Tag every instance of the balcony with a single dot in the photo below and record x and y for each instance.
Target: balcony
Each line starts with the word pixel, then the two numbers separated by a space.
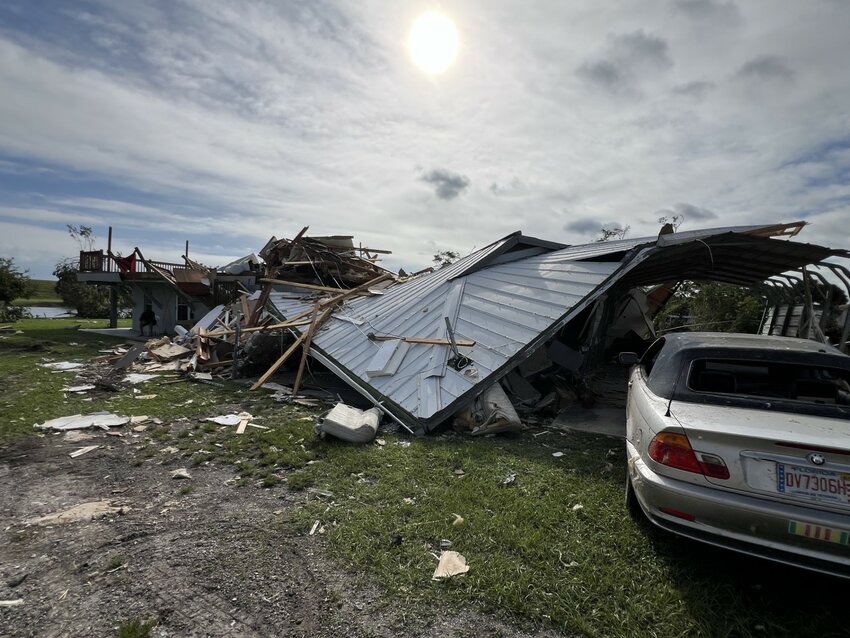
pixel 99 266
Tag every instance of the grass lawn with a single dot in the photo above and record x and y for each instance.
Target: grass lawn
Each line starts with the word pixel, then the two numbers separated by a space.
pixel 43 294
pixel 553 547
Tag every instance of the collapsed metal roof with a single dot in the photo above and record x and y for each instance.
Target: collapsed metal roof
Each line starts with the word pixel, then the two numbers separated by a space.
pixel 509 298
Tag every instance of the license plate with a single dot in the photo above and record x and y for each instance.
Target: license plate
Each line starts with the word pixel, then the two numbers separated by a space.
pixel 813 483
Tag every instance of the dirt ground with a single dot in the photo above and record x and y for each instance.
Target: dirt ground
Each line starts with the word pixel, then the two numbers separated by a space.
pixel 216 560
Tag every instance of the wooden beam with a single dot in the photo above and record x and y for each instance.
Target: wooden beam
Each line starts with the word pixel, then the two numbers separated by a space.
pixel 274 326
pixel 246 313
pixel 300 235
pixel 279 362
pixel 306 348
pixel 298 284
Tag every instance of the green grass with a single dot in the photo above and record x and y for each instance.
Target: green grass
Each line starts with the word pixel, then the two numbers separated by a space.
pixel 43 294
pixel 535 557
pixel 135 629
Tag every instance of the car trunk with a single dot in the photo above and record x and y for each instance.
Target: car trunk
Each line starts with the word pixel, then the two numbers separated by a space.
pixel 795 458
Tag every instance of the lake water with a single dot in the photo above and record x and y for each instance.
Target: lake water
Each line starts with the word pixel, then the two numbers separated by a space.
pixel 50 312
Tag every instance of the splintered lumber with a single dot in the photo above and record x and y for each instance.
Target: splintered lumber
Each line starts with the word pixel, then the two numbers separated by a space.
pixel 246 313
pixel 329 305
pixel 261 304
pixel 279 362
pixel 274 326
pixel 298 284
pixel 467 343
pixel 307 341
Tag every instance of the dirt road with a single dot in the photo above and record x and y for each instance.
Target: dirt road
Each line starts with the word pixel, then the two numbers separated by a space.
pixel 202 557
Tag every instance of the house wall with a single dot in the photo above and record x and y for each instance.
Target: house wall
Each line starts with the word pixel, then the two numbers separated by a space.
pixel 164 300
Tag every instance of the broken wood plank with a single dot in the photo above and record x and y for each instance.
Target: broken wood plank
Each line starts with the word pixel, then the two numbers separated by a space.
pixel 279 362
pixel 246 313
pixel 243 423
pixel 274 326
pixel 83 450
pixel 307 341
pixel 298 284
pixel 467 343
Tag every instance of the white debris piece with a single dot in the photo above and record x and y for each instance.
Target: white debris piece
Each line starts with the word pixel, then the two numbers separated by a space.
pixel 451 564
pixel 230 419
pixel 349 424
pixel 104 420
pixel 62 365
pixel 83 450
pixel 78 388
pixel 181 473
pixel 557 455
pixel 138 377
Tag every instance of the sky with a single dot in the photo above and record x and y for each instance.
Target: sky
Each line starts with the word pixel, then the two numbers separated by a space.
pixel 227 122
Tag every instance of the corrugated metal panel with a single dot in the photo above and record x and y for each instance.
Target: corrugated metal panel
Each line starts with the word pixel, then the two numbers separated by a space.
pixel 502 308
pixel 507 308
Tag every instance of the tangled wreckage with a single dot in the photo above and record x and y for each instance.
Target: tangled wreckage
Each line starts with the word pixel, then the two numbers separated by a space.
pixel 514 326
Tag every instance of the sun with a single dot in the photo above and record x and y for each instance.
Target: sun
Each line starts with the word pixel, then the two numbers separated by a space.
pixel 433 42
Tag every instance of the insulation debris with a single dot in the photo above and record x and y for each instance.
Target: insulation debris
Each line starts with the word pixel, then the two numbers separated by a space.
pixel 349 424
pixel 103 420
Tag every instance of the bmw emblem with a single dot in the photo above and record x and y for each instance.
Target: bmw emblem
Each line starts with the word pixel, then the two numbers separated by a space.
pixel 817 459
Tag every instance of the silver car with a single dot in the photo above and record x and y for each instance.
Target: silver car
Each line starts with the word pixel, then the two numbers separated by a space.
pixel 743 441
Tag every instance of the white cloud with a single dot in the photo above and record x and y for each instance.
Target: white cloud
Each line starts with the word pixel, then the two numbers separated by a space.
pixel 248 119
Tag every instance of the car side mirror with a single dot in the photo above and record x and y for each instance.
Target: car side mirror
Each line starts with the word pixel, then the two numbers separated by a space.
pixel 627 358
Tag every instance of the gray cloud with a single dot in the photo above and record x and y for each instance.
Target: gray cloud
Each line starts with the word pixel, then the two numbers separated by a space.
pixel 698 89
pixel 627 58
pixel 447 184
pixel 709 10
pixel 604 74
pixel 639 50
pixel 688 211
pixel 766 68
pixel 590 226
pixel 514 187
pixel 583 226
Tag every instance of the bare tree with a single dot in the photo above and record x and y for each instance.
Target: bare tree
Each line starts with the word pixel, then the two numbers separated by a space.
pixel 613 232
pixel 83 235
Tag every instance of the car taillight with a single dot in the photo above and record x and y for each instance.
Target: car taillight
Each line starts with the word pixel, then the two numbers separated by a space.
pixel 674 450
pixel 712 465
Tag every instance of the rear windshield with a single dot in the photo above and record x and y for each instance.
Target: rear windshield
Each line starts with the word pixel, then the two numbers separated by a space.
pixel 797 382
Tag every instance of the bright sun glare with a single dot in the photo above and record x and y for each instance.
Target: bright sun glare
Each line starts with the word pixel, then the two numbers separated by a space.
pixel 433 42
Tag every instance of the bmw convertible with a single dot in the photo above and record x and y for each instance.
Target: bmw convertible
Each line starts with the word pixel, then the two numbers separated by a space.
pixel 743 441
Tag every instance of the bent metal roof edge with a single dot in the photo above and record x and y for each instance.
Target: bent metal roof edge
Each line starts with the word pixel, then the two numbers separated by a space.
pixel 508 308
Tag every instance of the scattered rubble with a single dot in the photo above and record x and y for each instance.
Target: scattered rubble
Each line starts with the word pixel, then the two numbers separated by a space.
pixel 103 420
pixel 82 512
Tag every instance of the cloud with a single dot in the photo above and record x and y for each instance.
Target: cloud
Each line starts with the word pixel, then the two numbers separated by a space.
pixel 584 226
pixel 698 89
pixel 447 184
pixel 515 187
pixel 687 211
pixel 719 13
pixel 766 68
pixel 628 58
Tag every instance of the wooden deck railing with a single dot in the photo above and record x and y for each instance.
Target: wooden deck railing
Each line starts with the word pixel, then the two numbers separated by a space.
pixel 98 261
